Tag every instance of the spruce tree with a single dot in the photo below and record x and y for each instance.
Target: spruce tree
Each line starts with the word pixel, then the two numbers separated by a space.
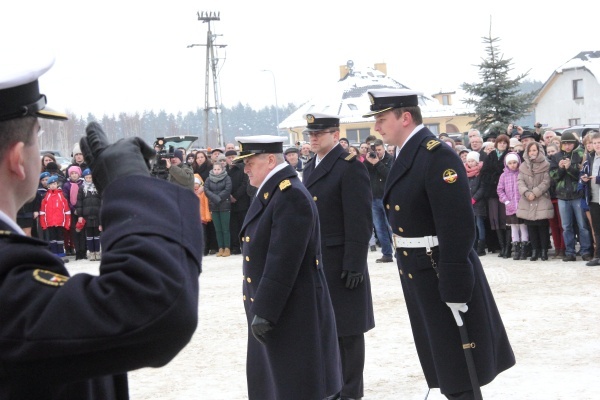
pixel 497 98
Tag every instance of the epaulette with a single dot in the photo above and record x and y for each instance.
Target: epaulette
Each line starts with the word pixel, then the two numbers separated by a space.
pixel 285 184
pixel 5 233
pixel 349 157
pixel 432 144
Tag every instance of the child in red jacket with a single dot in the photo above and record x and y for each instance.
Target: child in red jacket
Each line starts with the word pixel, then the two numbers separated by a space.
pixel 55 216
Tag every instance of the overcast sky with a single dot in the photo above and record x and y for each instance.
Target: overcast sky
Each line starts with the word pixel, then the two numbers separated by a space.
pixel 132 56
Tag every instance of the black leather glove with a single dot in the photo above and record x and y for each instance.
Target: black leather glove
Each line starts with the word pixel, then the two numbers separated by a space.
pixel 108 161
pixel 353 279
pixel 260 327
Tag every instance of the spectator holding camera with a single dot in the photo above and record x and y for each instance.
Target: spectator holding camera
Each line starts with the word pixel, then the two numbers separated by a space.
pixel 564 171
pixel 379 163
pixel 179 172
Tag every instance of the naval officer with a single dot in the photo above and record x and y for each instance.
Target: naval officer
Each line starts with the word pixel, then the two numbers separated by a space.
pixel 428 203
pixel 76 337
pixel 339 185
pixel 292 341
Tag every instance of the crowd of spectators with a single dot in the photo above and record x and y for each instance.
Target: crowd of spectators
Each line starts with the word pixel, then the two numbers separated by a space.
pixel 531 191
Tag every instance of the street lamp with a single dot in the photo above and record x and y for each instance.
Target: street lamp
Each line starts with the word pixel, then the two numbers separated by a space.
pixel 276 105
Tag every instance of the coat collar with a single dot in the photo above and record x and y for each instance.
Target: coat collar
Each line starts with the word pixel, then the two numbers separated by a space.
pixel 405 159
pixel 266 193
pixel 324 166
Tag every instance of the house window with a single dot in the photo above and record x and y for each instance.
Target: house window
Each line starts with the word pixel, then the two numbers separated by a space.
pixel 434 128
pixel 357 135
pixel 446 100
pixel 578 89
pixel 574 121
pixel 352 107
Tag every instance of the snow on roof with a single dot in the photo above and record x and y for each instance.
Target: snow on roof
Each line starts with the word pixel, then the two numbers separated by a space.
pixel 348 98
pixel 586 59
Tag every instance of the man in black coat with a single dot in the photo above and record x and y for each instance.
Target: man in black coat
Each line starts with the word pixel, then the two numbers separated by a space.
pixel 239 199
pixel 292 346
pixel 76 337
pixel 339 184
pixel 428 204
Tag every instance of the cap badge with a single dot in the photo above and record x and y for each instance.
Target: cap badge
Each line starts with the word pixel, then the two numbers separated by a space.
pixel 450 176
pixel 310 119
pixel 371 98
pixel 266 195
pixel 49 278
pixel 241 147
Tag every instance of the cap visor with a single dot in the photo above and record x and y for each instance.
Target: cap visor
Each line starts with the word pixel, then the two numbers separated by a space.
pixel 49 113
pixel 241 158
pixel 372 113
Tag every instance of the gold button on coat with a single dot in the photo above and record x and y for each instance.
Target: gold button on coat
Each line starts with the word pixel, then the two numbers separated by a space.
pixel 410 276
pixel 315 198
pixel 401 273
pixel 251 299
pixel 401 230
pixel 397 208
pixel 387 206
pixel 248 280
pixel 405 253
pixel 247 238
pixel 247 258
pixel 244 297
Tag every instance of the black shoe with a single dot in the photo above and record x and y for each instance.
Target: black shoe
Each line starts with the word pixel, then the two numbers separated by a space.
pixel 544 255
pixel 569 257
pixel 534 255
pixel 236 252
pixel 593 262
pixel 586 257
pixel 373 248
pixel 385 259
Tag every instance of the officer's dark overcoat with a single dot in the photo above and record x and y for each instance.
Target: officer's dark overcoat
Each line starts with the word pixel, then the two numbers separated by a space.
pixel 340 188
pixel 75 337
pixel 427 193
pixel 285 284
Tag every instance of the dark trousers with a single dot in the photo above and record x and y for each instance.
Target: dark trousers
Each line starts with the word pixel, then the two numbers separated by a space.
pixel 539 235
pixel 56 237
pixel 235 225
pixel 469 395
pixel 352 353
pixel 595 213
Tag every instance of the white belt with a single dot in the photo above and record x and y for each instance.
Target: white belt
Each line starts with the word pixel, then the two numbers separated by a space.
pixel 426 242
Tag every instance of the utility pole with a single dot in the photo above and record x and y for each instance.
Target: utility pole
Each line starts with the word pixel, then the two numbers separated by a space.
pixel 211 67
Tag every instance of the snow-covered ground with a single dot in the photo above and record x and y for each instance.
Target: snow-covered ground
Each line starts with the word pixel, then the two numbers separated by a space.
pixel 551 311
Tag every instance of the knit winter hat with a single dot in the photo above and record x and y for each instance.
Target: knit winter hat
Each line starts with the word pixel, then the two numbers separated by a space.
pixel 76 149
pixel 52 179
pixel 179 154
pixel 512 157
pixel 473 155
pixel 74 168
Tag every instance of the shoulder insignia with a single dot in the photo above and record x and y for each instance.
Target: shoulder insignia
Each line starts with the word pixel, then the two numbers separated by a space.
pixel 5 233
pixel 266 195
pixel 350 157
pixel 49 278
pixel 450 176
pixel 432 144
pixel 285 184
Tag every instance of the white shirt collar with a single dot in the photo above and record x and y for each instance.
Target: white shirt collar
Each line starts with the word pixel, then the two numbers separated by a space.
pixel 11 223
pixel 413 133
pixel 273 172
pixel 318 160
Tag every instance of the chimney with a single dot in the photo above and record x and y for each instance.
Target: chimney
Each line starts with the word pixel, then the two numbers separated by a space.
pixel 343 71
pixel 381 67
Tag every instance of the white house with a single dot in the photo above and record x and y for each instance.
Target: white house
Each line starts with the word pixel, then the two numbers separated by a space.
pixel 571 96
